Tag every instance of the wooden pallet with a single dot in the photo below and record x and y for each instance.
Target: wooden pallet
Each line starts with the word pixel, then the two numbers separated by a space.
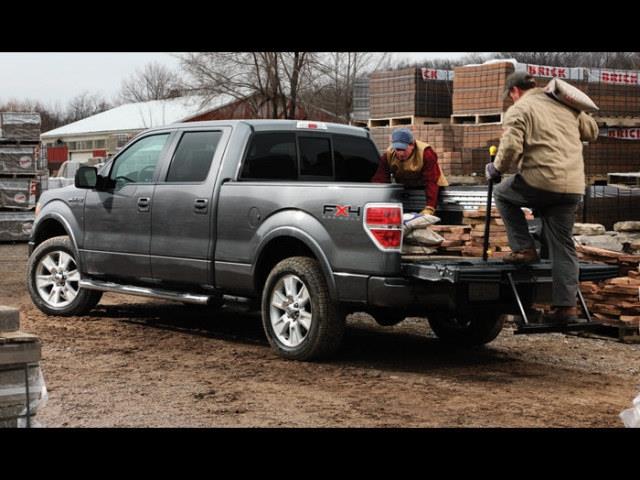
pixel 617 121
pixel 477 118
pixel 405 120
pixel 627 179
pixel 622 333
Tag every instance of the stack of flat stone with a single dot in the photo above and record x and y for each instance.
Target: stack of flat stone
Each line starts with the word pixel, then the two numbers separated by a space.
pixel 20 354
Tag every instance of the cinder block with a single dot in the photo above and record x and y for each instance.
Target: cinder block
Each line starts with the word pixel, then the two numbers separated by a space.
pixel 20 352
pixel 9 319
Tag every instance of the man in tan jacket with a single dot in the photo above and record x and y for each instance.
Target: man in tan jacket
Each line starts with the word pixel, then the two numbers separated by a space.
pixel 543 138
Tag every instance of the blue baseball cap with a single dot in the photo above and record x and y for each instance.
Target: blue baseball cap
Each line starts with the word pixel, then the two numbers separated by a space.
pixel 401 138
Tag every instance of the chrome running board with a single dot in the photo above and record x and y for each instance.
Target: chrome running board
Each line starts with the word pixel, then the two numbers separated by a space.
pixel 144 291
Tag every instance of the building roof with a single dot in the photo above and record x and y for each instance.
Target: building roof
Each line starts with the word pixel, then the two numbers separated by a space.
pixel 140 116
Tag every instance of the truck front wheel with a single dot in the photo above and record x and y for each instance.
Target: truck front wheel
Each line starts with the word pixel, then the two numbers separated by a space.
pixel 53 279
pixel 468 329
pixel 299 318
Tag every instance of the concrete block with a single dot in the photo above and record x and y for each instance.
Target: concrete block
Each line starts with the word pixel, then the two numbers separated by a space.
pixel 20 352
pixel 9 319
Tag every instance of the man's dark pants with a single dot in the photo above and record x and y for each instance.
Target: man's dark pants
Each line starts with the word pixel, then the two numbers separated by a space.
pixel 557 211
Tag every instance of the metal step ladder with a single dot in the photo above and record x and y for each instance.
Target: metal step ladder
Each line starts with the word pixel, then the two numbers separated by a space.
pixel 525 325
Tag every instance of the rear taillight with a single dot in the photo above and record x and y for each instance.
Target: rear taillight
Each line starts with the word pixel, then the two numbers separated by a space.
pixel 383 224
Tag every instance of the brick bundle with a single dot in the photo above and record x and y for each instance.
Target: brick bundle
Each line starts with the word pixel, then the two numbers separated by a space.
pixel 403 92
pixel 23 172
pixel 479 88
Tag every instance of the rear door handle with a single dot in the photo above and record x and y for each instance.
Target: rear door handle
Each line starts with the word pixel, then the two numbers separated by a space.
pixel 200 205
pixel 143 204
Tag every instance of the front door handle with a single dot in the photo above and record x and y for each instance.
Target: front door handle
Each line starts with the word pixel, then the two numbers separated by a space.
pixel 143 204
pixel 200 205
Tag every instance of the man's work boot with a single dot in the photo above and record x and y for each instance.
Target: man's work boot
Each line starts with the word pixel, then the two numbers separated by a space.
pixel 562 315
pixel 522 257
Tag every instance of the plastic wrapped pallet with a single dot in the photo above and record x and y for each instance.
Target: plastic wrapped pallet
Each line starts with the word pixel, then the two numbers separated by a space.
pixel 21 159
pixel 18 193
pixel 20 126
pixel 16 226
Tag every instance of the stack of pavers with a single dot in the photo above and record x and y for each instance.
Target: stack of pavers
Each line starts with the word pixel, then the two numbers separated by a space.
pixel 23 173
pixel 22 389
pixel 455 238
pixel 360 115
pixel 615 302
pixel 407 93
pixel 498 242
pixel 479 106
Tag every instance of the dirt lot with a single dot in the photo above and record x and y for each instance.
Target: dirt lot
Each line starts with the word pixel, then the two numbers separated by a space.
pixel 145 363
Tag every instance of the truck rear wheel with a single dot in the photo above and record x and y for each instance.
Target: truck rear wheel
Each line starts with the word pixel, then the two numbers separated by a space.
pixel 53 279
pixel 299 318
pixel 468 329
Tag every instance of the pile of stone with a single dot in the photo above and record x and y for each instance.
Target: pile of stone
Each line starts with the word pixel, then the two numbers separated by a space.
pixel 22 388
pixel 621 246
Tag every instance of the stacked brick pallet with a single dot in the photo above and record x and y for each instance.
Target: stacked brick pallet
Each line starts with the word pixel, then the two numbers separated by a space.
pixel 361 101
pixel 23 173
pixel 410 92
pixel 477 89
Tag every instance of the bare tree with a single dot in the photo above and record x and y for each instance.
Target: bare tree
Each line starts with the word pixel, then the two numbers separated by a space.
pixel 153 82
pixel 269 82
pixel 84 105
pixel 334 77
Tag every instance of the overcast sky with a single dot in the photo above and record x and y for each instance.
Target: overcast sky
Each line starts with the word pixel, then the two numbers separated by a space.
pixel 58 77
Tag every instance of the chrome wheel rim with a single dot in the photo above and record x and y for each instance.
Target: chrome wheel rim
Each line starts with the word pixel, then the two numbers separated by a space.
pixel 290 311
pixel 57 279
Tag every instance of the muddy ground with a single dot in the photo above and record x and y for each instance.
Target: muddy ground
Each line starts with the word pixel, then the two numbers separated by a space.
pixel 135 362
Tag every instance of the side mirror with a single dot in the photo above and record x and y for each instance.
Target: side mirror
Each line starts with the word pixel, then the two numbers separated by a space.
pixel 86 177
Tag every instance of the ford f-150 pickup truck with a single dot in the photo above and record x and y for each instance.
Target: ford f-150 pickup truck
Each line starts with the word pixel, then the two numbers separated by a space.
pixel 279 211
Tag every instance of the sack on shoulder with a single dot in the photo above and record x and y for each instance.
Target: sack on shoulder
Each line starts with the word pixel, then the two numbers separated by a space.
pixel 569 95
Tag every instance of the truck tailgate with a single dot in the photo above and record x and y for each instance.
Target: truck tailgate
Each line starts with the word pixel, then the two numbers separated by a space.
pixel 474 269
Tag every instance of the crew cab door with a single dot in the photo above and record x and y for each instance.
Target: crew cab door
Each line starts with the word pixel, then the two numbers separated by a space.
pixel 182 227
pixel 117 221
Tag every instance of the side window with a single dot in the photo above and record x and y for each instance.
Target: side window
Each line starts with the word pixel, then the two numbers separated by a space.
pixel 138 163
pixel 356 158
pixel 192 159
pixel 272 156
pixel 315 157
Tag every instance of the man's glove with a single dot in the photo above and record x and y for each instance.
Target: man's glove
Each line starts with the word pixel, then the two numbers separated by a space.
pixel 492 173
pixel 428 210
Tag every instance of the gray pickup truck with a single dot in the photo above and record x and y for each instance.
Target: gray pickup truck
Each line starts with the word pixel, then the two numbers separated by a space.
pixel 278 212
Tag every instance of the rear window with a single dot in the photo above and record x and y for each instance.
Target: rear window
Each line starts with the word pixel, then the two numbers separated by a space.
pixel 338 158
pixel 356 158
pixel 315 157
pixel 272 156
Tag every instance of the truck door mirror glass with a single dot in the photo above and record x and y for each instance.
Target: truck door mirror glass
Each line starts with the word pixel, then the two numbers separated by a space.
pixel 86 177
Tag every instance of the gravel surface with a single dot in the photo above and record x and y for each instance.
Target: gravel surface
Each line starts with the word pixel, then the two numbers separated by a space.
pixel 135 362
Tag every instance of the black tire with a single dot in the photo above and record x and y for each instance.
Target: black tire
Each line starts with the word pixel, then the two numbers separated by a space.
pixel 387 317
pixel 468 330
pixel 323 318
pixel 84 299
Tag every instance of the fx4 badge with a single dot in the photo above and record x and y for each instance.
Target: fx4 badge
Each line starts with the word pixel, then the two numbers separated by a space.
pixel 336 211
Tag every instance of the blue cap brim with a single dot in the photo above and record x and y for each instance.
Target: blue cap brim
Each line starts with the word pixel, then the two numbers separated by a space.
pixel 399 146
